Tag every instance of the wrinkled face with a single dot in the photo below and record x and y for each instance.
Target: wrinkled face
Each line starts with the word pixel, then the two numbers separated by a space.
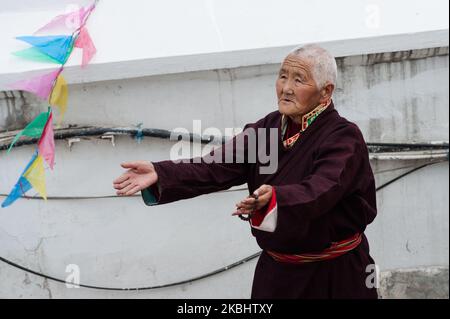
pixel 297 91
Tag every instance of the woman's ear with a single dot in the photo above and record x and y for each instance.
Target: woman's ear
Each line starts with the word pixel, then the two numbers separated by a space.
pixel 326 93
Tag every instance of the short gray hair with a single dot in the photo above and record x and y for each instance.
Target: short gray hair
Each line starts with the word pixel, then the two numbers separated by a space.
pixel 324 68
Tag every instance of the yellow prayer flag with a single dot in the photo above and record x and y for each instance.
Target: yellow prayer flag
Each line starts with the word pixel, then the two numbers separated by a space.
pixel 36 176
pixel 59 97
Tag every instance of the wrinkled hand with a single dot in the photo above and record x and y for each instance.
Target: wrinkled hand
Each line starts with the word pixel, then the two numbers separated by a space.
pixel 140 175
pixel 250 204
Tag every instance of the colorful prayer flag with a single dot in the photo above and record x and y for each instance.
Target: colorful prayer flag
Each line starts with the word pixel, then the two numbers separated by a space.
pixel 40 85
pixel 84 42
pixel 69 21
pixel 21 187
pixel 57 47
pixel 34 54
pixel 33 129
pixel 46 144
pixel 59 96
pixel 35 174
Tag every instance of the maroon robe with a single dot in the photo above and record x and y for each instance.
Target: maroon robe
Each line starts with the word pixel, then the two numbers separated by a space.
pixel 325 192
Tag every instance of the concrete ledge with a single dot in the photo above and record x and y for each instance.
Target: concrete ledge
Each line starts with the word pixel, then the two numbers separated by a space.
pixel 231 59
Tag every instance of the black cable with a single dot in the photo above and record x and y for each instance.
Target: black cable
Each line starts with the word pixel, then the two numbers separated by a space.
pixel 217 271
pixel 404 174
pixel 394 147
pixel 166 134
pixel 98 131
pixel 212 273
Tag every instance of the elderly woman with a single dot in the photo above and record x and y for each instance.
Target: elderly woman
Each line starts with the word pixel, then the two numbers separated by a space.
pixel 309 216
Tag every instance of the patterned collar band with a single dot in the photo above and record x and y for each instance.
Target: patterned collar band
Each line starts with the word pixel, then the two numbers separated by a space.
pixel 306 121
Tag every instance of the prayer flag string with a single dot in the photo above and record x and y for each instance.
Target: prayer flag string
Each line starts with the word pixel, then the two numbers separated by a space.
pixel 50 87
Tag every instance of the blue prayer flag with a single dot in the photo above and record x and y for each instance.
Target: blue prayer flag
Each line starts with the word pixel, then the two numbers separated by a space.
pixel 21 187
pixel 57 47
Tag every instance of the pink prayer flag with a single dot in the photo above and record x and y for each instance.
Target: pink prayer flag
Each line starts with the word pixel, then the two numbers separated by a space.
pixel 84 41
pixel 46 144
pixel 40 85
pixel 69 21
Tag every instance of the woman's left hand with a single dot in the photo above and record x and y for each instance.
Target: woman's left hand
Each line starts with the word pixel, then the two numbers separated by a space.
pixel 260 199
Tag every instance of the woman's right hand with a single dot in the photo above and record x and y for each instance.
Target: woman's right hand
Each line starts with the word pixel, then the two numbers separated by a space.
pixel 140 175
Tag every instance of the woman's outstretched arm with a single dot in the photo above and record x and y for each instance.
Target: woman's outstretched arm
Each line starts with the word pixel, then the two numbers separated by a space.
pixel 169 181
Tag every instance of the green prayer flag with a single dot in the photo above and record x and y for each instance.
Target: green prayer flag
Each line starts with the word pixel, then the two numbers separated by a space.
pixel 34 54
pixel 33 129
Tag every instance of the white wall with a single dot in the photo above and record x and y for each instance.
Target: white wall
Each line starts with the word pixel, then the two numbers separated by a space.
pixel 121 242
